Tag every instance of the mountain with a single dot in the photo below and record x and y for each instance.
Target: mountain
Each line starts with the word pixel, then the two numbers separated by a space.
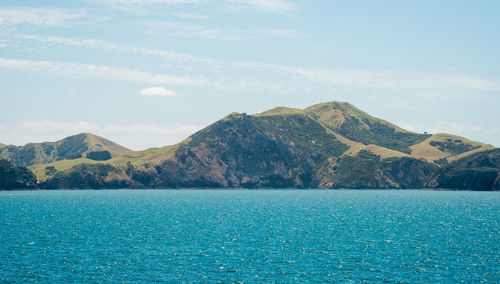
pixel 82 145
pixel 329 145
pixel 12 177
pixel 352 123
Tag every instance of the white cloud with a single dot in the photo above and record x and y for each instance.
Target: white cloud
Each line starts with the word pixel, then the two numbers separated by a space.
pixel 38 16
pixel 268 6
pixel 134 136
pixel 157 91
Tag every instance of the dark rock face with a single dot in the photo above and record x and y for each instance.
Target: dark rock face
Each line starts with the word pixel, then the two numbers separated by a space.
pixel 470 180
pixel 238 153
pixel 12 177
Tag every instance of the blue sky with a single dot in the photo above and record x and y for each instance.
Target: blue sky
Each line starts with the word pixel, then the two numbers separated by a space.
pixel 151 72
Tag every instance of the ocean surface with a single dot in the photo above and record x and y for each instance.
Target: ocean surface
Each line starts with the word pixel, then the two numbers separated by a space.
pixel 284 236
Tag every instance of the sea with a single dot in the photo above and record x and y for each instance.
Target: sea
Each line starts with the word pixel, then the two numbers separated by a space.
pixel 249 236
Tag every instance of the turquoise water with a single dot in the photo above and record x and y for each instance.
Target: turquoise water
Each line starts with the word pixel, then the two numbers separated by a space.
pixel 249 236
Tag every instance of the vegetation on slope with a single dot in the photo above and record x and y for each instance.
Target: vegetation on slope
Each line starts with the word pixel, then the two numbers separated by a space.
pixel 479 171
pixel 12 177
pixel 90 176
pixel 367 170
pixel 359 126
pixel 280 148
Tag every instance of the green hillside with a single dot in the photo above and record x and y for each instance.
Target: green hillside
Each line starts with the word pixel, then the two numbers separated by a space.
pixel 331 145
pixel 83 145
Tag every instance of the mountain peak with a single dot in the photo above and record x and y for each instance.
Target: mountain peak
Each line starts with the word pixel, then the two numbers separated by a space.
pixel 280 111
pixel 357 125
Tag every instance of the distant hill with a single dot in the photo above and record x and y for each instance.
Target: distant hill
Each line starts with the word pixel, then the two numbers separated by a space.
pixel 329 145
pixel 84 145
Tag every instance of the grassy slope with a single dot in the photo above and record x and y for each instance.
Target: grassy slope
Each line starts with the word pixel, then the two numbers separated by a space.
pixel 62 165
pixel 151 156
pixel 380 140
pixel 354 147
pixel 431 153
pixel 280 111
pixel 359 126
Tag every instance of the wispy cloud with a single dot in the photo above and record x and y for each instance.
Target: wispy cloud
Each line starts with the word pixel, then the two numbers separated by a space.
pixel 185 15
pixel 106 45
pixel 268 6
pixel 104 72
pixel 99 72
pixel 39 16
pixel 170 2
pixel 263 6
pixel 157 91
pixel 189 30
pixel 282 33
pixel 136 136
pixel 419 82
pixel 397 79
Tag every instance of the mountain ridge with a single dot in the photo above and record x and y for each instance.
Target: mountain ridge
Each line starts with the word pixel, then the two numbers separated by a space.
pixel 328 145
pixel 83 145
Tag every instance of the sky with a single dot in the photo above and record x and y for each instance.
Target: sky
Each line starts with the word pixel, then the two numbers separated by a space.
pixel 149 73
